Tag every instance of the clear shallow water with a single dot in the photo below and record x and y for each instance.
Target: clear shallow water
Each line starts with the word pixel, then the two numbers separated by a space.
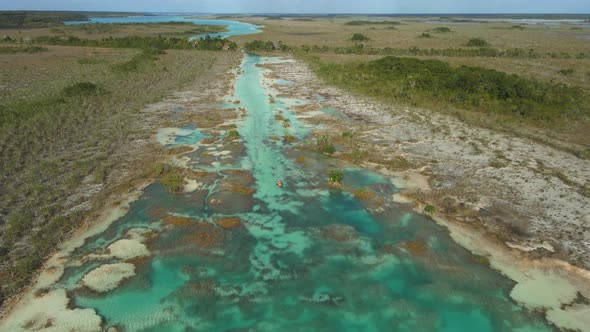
pixel 188 135
pixel 308 257
pixel 234 28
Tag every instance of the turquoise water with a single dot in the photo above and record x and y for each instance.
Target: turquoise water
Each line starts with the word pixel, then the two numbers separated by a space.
pixel 307 257
pixel 188 135
pixel 234 28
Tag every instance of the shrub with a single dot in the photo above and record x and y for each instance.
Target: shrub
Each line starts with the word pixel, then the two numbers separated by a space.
pixel 441 30
pixel 425 35
pixel 259 45
pixel 82 89
pixel 429 209
pixel 477 42
pixel 424 81
pixel 336 176
pixel 567 72
pixel 329 149
pixel 359 37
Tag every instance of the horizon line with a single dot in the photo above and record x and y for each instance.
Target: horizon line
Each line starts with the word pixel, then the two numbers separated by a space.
pixel 287 13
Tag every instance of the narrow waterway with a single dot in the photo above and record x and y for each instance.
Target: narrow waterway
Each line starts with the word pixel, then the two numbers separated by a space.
pixel 304 257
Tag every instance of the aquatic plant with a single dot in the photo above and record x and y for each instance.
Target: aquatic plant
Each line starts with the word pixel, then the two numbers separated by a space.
pixel 335 176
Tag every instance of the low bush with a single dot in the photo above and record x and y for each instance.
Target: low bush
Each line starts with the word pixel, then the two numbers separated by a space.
pixel 477 42
pixel 422 82
pixel 359 37
pixel 83 89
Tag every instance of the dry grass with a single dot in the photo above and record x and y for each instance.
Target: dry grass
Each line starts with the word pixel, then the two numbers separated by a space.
pixel 97 31
pixel 334 32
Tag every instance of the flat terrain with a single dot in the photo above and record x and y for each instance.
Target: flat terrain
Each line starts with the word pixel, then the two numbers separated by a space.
pixel 72 134
pixel 99 31
pixel 335 32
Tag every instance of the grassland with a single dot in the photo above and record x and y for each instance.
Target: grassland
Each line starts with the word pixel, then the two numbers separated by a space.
pixel 556 47
pixel 100 31
pixel 547 56
pixel 72 131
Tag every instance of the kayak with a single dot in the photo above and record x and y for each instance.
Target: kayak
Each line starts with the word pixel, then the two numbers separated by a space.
pixel 279 183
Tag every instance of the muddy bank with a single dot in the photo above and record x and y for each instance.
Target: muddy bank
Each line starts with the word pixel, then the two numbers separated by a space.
pixel 518 204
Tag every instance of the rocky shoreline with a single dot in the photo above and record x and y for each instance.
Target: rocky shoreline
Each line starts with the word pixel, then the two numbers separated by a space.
pixel 514 202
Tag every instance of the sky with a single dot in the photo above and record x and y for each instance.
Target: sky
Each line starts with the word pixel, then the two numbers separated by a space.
pixel 308 6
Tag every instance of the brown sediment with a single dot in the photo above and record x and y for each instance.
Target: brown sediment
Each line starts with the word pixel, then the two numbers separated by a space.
pixel 203 235
pixel 339 233
pixel 179 221
pixel 494 209
pixel 416 247
pixel 141 262
pixel 364 194
pixel 210 140
pixel 179 150
pixel 229 222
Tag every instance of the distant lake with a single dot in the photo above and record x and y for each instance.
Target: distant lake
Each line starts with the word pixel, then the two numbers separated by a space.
pixel 234 28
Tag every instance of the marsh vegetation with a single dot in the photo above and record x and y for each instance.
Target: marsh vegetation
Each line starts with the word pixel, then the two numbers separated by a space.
pixel 65 126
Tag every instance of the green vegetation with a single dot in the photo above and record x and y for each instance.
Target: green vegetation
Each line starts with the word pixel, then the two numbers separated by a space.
pixel 21 49
pixel 161 43
pixel 259 45
pixel 477 42
pixel 28 19
pixel 64 129
pixel 233 134
pixel 150 28
pixel 324 145
pixel 359 37
pixel 429 209
pixel 170 177
pixel 441 30
pixel 426 82
pixel 83 89
pixel 90 61
pixel 335 176
pixel 360 23
pixel 567 72
pixel 425 35
pixel 360 49
pixel 483 260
